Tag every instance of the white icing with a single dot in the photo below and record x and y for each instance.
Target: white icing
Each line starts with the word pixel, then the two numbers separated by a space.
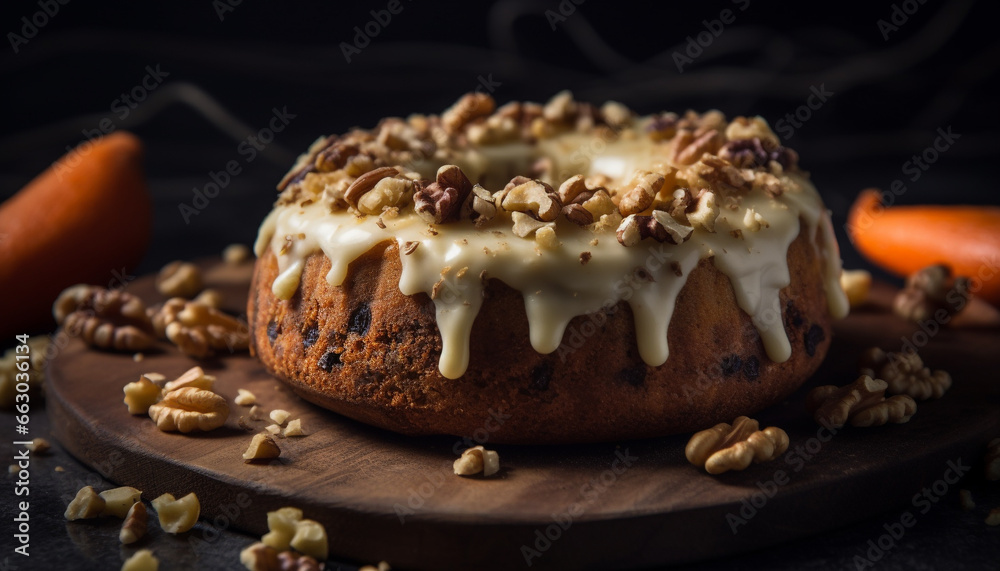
pixel 555 285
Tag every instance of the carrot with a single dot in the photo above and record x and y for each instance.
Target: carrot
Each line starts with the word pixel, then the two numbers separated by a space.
pixel 905 239
pixel 86 219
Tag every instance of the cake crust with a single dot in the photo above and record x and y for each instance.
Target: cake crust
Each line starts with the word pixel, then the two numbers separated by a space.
pixel 365 350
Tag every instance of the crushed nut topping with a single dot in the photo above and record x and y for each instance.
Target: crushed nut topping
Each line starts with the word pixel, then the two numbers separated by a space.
pixel 862 403
pixel 932 293
pixel 905 373
pixel 441 200
pixel 534 198
pixel 727 447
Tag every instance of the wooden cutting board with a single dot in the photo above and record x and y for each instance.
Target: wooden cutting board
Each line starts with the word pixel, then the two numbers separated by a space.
pixel 383 496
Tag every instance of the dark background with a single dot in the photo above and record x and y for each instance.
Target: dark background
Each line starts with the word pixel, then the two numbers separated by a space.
pixel 226 75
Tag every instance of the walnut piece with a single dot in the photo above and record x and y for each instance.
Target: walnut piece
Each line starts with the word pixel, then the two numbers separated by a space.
pixel 279 415
pixel 260 557
pixel 134 526
pixel 189 409
pixel 103 318
pixel 39 445
pixel 117 501
pixel 932 293
pixel 645 185
pixel 262 447
pixel 142 560
pixel 245 398
pixel 236 254
pixel 468 108
pixel 905 373
pixel 533 197
pixel 705 212
pixel 365 183
pixel 179 279
pixel 525 225
pixel 310 539
pixel 992 460
pixel 198 330
pixel 691 146
pixel 86 505
pixel 294 428
pixel 727 447
pixel 862 403
pixel 475 460
pixel 482 205
pixel 281 525
pixel 441 201
pixel 856 284
pixel 177 515
pixel 193 377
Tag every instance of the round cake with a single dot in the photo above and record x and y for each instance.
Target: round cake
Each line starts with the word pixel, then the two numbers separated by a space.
pixel 546 273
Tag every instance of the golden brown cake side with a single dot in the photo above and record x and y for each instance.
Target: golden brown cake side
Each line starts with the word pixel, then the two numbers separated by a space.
pixel 365 350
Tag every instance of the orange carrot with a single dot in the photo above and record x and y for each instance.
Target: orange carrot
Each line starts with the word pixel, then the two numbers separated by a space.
pixel 904 239
pixel 86 219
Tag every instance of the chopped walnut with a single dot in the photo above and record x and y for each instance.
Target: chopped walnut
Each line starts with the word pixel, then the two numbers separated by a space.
pixel 236 254
pixel 754 221
pixel 932 293
pixel 571 188
pixel 534 198
pixel 689 148
pixel 750 128
pixel 645 185
pixel 262 447
pixel 675 231
pixel 706 211
pixel 39 445
pixel 756 153
pixel 260 557
pixel 525 225
pixel 862 403
pixel 616 114
pixel 727 447
pixel 134 526
pixel 279 415
pixel 475 460
pixel 600 204
pixel 103 318
pixel 245 398
pixel 856 284
pixel 482 205
pixel 198 330
pixel 441 201
pixel 365 183
pixel 86 505
pixel 992 460
pixel 578 214
pixel 281 525
pixel 905 373
pixel 118 501
pixel 141 395
pixel 142 560
pixel 294 428
pixel 469 107
pixel 179 279
pixel 310 539
pixel 561 108
pixel 189 409
pixel 177 515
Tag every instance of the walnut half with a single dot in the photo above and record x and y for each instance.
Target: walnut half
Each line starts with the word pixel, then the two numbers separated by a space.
pixel 189 409
pixel 862 403
pixel 727 447
pixel 199 330
pixel 104 318
pixel 905 373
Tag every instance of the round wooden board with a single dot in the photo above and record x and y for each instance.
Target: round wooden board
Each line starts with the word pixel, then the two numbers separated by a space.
pixel 383 496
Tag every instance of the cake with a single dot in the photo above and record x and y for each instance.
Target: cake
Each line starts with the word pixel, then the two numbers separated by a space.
pixel 546 273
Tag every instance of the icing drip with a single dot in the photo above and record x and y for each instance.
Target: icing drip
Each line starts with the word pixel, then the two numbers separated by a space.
pixel 556 286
